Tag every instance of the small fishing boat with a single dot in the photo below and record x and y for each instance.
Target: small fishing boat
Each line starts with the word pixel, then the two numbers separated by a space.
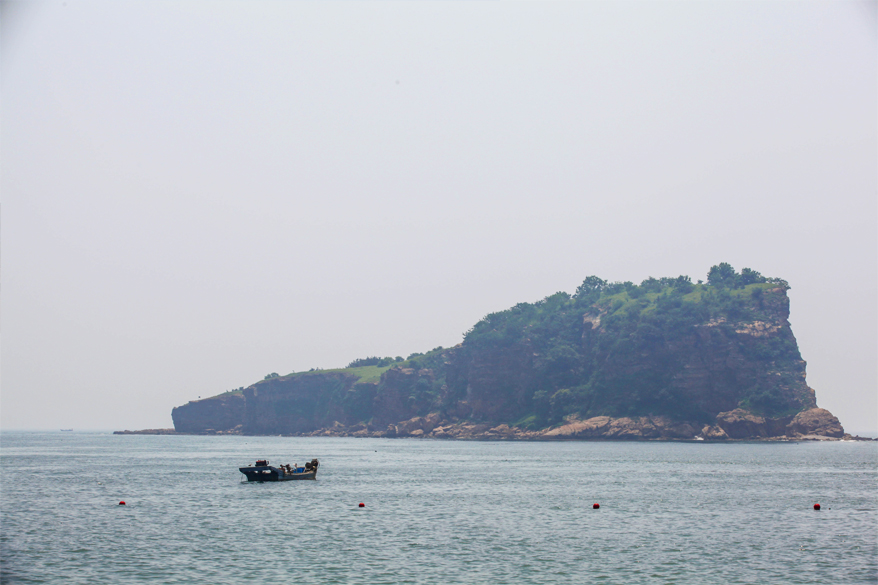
pixel 262 471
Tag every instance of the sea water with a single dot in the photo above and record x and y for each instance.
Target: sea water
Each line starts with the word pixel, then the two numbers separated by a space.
pixel 435 511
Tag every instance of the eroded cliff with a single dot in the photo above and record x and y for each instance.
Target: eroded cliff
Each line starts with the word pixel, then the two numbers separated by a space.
pixel 667 359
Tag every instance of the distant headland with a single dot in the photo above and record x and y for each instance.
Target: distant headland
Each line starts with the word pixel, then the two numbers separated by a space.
pixel 668 359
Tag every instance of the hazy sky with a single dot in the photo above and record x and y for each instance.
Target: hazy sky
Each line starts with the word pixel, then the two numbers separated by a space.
pixel 195 194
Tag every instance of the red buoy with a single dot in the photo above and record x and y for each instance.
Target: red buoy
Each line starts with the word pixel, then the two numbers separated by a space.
pixel 816 506
pixel 362 505
pixel 595 506
pixel 122 503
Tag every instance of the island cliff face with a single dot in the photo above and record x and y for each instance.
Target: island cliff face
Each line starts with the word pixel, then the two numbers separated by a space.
pixel 666 359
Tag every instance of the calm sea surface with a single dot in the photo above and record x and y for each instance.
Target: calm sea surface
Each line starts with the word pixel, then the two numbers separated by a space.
pixel 436 511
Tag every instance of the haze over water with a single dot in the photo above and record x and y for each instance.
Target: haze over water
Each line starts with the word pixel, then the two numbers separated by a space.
pixel 436 511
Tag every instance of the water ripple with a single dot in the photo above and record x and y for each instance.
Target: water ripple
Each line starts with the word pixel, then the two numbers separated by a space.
pixel 436 512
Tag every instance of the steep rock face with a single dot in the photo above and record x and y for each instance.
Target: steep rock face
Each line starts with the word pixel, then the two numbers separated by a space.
pixel 296 404
pixel 220 413
pixel 402 393
pixel 692 372
pixel 304 403
pixel 721 365
pixel 729 362
pixel 490 383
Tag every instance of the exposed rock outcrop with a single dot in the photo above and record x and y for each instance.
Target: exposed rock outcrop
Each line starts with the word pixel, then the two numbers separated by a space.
pixel 740 424
pixel 815 421
pixel 713 433
pixel 220 413
pixel 625 428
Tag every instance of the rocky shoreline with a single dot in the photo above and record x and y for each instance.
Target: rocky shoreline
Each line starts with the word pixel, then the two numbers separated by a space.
pixel 152 432
pixel 816 424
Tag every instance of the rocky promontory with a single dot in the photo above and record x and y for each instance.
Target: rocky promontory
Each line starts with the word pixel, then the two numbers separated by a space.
pixel 664 360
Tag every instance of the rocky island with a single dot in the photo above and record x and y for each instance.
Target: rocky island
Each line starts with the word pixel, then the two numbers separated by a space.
pixel 667 359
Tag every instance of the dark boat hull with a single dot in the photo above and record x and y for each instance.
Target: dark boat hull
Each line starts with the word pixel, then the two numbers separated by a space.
pixel 271 473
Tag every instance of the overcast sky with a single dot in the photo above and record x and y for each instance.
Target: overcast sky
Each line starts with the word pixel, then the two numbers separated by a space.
pixel 196 194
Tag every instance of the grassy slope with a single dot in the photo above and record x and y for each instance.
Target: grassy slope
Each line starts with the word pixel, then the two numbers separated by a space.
pixel 365 374
pixel 645 303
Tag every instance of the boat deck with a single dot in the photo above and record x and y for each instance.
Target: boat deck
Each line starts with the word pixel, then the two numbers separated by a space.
pixel 262 473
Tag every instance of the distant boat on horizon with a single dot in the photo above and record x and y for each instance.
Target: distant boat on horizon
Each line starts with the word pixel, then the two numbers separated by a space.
pixel 66 430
